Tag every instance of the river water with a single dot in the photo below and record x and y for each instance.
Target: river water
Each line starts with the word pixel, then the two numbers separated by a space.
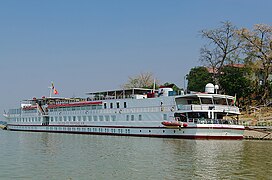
pixel 26 155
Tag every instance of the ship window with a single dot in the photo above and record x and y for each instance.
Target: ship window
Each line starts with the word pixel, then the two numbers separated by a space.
pixel 206 100
pixel 101 118
pixel 118 105
pixel 74 118
pixel 132 117
pixel 164 116
pixel 69 118
pixel 60 118
pixel 113 118
pixel 65 118
pixel 52 119
pixel 105 105
pixel 84 118
pixel 90 118
pixel 127 117
pixel 94 107
pixel 88 108
pixel 111 105
pixel 125 104
pixel 56 119
pixel 79 118
pixel 95 118
pixel 99 107
pixel 107 118
pixel 140 117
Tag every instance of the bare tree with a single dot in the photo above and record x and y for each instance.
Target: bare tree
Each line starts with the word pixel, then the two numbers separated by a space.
pixel 143 80
pixel 223 47
pixel 258 47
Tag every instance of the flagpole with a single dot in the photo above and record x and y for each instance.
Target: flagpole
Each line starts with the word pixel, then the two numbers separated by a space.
pixel 51 89
pixel 154 85
pixel 50 93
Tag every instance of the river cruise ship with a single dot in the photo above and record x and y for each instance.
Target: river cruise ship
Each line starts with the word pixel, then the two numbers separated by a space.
pixel 132 112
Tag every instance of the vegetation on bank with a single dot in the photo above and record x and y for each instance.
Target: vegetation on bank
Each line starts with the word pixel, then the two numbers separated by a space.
pixel 239 60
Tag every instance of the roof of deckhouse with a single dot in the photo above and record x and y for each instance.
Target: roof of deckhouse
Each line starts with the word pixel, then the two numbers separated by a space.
pixel 122 92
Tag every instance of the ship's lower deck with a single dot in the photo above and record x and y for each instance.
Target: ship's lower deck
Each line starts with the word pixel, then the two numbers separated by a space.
pixel 196 132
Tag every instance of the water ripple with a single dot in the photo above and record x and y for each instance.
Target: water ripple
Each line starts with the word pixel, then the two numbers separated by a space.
pixel 67 156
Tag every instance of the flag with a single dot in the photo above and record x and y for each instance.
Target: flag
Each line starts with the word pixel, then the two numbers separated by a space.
pixel 55 91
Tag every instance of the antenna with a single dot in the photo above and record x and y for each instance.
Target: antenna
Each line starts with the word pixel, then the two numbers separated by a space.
pixel 154 85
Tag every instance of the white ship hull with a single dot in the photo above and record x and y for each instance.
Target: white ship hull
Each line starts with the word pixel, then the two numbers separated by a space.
pixel 132 114
pixel 197 132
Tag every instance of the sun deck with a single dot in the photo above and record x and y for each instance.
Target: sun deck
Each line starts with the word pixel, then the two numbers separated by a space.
pixel 133 93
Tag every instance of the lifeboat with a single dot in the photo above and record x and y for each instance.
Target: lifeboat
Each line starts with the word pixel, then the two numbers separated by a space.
pixel 174 124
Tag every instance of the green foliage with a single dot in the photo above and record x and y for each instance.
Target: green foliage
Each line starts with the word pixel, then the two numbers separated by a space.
pixel 198 78
pixel 235 81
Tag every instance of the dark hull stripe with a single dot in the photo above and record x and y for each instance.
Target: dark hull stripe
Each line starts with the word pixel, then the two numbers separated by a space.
pixel 134 127
pixel 143 135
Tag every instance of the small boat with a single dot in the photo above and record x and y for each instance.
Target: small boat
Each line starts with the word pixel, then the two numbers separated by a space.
pixel 174 124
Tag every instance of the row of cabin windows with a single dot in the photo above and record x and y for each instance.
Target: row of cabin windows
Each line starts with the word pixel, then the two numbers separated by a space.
pixel 29 119
pixel 132 117
pixel 69 118
pixel 84 118
pixel 117 105
pixel 94 107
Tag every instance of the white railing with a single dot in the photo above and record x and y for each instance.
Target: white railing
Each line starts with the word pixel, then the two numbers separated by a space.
pixel 116 110
pixel 213 121
pixel 207 107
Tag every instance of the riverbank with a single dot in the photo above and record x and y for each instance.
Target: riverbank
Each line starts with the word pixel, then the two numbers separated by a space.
pixel 4 127
pixel 257 134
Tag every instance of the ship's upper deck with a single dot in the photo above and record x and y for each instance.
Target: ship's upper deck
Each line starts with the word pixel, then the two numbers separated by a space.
pixel 135 93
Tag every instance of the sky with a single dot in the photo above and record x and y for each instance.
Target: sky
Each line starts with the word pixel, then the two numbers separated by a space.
pixel 95 45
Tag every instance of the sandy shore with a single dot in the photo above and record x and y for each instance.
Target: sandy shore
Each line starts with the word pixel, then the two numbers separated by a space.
pixel 258 134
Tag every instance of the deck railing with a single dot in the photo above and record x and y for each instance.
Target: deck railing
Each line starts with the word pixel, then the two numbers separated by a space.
pixel 213 121
pixel 224 108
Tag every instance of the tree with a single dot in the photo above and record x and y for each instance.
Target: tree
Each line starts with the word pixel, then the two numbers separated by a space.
pixel 143 80
pixel 197 78
pixel 236 81
pixel 223 47
pixel 257 45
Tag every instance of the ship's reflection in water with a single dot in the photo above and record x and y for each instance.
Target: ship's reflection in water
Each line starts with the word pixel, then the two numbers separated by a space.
pixel 64 156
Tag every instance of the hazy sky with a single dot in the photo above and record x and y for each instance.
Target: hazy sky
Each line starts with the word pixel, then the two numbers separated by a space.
pixel 92 45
